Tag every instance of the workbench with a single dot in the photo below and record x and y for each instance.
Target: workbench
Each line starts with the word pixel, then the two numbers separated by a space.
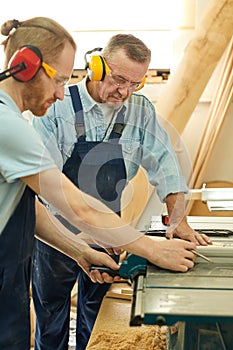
pixel 113 332
pixel 199 302
pixel 196 307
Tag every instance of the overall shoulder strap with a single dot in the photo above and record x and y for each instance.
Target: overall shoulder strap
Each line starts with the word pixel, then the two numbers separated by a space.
pixel 78 109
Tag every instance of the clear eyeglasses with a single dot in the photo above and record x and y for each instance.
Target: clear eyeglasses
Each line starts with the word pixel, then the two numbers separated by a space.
pixel 120 82
pixel 53 74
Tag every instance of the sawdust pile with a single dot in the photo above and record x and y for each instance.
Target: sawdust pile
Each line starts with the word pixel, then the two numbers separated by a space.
pixel 137 338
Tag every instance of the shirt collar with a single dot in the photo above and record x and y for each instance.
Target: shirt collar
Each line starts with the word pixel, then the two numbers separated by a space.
pixel 87 101
pixel 7 100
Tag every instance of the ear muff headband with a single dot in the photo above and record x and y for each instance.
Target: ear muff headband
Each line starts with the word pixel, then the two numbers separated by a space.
pixel 31 57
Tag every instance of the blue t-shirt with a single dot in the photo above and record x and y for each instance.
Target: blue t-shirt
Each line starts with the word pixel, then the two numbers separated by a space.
pixel 22 153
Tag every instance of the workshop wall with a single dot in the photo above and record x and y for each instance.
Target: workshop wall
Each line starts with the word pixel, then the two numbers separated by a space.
pixel 167 27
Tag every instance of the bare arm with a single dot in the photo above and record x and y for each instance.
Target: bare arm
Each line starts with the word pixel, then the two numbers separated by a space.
pixel 94 218
pixel 51 231
pixel 179 226
pixel 82 210
pixel 173 255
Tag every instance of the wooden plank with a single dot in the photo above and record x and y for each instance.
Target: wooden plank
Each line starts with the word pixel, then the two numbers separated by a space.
pixel 185 86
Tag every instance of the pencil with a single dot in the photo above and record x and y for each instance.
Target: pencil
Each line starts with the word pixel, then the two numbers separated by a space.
pixel 201 255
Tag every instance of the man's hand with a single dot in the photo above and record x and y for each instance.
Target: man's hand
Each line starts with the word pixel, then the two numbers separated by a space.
pixel 175 255
pixel 179 226
pixel 92 257
pixel 184 231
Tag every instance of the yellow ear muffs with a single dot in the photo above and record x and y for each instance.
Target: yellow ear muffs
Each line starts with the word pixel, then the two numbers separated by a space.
pixel 97 68
pixel 142 84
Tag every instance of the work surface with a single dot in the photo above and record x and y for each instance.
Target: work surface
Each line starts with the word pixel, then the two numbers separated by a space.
pixel 207 288
pixel 112 330
pixel 161 298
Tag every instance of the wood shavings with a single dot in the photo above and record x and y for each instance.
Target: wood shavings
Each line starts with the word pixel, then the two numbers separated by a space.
pixel 136 338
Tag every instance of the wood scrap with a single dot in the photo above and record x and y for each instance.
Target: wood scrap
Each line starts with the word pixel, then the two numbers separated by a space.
pixel 118 294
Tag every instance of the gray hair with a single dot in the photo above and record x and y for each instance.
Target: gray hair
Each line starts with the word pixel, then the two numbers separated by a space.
pixel 133 47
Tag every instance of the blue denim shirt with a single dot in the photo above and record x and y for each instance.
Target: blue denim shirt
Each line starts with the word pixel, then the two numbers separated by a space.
pixel 144 142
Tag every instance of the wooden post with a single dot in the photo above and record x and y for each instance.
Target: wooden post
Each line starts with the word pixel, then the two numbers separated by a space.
pixel 218 109
pixel 184 88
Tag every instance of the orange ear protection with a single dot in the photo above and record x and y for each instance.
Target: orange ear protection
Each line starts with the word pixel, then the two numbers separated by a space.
pixel 29 58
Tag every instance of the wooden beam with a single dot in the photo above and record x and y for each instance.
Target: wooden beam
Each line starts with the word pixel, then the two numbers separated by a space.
pixel 184 88
pixel 216 116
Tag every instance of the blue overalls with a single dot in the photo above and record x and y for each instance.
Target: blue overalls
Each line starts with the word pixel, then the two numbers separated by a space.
pixel 16 249
pixel 96 168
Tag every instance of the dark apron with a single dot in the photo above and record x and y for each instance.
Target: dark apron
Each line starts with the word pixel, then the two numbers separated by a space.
pixel 16 248
pixel 98 169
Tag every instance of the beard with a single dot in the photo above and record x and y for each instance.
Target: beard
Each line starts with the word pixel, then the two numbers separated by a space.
pixel 34 97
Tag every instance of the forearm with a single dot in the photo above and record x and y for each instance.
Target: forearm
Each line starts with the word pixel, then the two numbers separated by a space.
pixel 176 208
pixel 81 210
pixel 142 247
pixel 167 254
pixel 86 238
pixel 51 231
pixel 179 226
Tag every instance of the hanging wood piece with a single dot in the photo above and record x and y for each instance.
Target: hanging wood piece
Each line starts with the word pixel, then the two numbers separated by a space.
pixel 184 88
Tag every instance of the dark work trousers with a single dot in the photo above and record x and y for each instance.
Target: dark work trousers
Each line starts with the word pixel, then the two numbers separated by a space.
pixel 96 168
pixel 16 249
